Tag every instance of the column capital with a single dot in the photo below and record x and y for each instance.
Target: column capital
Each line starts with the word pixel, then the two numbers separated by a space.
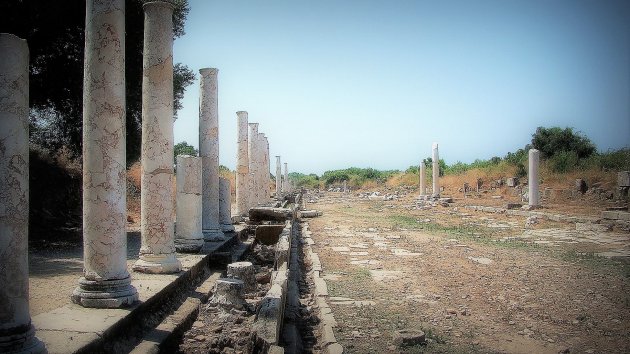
pixel 163 3
pixel 208 71
pixel 241 113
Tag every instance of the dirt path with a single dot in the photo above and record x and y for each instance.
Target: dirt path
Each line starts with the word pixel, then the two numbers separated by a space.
pixel 468 279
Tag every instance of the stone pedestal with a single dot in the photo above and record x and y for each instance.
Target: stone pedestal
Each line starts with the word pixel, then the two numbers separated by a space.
pixel 225 205
pixel 209 152
pixel 278 178
pixel 254 157
pixel 188 235
pixel 16 332
pixel 244 271
pixel 242 166
pixel 157 251
pixel 422 172
pixel 436 171
pixel 106 282
pixel 532 174
pixel 228 294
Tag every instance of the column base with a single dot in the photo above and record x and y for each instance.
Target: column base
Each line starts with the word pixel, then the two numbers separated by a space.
pixel 114 293
pixel 157 264
pixel 21 340
pixel 227 228
pixel 186 245
pixel 213 235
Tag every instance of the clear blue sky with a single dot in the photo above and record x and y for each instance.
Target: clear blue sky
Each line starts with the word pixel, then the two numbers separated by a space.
pixel 361 83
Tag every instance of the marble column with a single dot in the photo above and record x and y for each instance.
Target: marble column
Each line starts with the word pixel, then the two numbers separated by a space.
pixel 422 171
pixel 188 235
pixel 252 149
pixel 532 174
pixel 16 332
pixel 436 171
pixel 157 251
pixel 242 165
pixel 278 178
pixel 287 186
pixel 225 205
pixel 209 152
pixel 264 174
pixel 106 282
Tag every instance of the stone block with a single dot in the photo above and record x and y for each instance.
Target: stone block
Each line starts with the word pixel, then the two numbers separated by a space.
pixel 512 182
pixel 623 179
pixel 268 234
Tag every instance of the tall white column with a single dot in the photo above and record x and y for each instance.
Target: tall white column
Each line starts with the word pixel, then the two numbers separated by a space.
pixel 534 158
pixel 278 178
pixel 16 332
pixel 264 174
pixel 422 171
pixel 242 165
pixel 436 171
pixel 287 186
pixel 106 282
pixel 252 149
pixel 188 234
pixel 225 205
pixel 209 152
pixel 157 251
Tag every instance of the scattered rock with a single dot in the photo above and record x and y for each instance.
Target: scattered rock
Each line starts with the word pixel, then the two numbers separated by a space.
pixel 408 337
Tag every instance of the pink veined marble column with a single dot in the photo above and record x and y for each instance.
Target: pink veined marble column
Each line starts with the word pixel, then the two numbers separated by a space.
pixel 534 158
pixel 242 165
pixel 157 252
pixel 287 188
pixel 188 234
pixel 225 205
pixel 209 152
pixel 16 332
pixel 106 282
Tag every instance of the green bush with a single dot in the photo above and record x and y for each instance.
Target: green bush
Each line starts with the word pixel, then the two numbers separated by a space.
pixel 564 161
pixel 554 140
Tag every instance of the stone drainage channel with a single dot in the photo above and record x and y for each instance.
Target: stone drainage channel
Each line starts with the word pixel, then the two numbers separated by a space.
pixel 257 299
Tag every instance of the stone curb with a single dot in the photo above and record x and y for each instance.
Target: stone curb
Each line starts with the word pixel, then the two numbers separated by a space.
pixel 327 319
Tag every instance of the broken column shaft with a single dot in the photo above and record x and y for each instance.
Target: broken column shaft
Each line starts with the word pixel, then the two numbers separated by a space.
pixel 422 172
pixel 278 178
pixel 436 171
pixel 157 251
pixel 16 332
pixel 225 205
pixel 106 282
pixel 534 158
pixel 188 234
pixel 252 149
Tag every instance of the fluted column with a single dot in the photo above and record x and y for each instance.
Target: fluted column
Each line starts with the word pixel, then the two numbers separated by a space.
pixel 209 152
pixel 157 252
pixel 188 235
pixel 287 188
pixel 422 171
pixel 242 165
pixel 436 171
pixel 278 178
pixel 106 282
pixel 532 174
pixel 16 332
pixel 252 149
pixel 225 205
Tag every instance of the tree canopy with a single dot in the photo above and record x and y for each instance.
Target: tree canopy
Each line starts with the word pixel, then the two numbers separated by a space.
pixel 555 140
pixel 55 35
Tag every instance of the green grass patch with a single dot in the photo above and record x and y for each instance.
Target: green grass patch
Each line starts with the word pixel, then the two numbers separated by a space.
pixel 595 261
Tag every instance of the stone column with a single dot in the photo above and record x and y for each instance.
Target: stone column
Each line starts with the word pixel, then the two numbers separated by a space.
pixel 264 173
pixel 16 332
pixel 209 152
pixel 422 171
pixel 436 171
pixel 534 157
pixel 252 149
pixel 225 205
pixel 287 187
pixel 242 166
pixel 278 178
pixel 345 186
pixel 157 252
pixel 106 282
pixel 188 235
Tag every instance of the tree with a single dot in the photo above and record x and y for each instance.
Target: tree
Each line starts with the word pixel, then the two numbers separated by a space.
pixel 551 141
pixel 184 148
pixel 55 36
